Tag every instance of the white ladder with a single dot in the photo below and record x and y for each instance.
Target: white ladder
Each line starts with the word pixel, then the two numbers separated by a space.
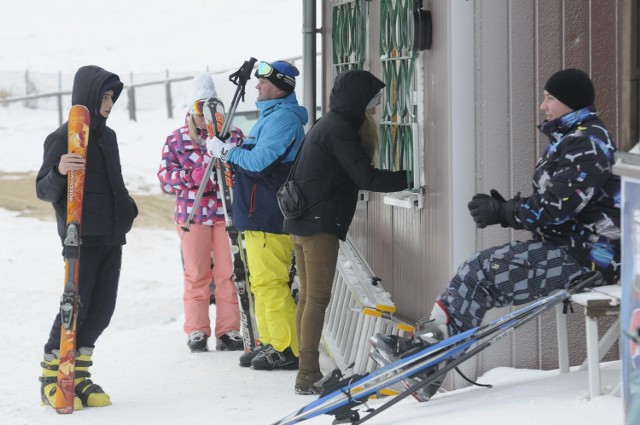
pixel 359 308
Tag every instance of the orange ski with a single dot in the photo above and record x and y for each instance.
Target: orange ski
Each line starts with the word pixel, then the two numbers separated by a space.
pixel 78 139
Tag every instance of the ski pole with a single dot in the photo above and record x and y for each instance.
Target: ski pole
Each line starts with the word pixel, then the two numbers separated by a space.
pixel 239 78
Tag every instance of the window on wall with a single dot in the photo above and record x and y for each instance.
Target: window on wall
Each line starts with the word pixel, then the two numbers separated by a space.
pixel 349 34
pixel 400 147
pixel 399 131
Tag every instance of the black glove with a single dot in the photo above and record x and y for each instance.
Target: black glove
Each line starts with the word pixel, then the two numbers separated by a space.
pixel 487 210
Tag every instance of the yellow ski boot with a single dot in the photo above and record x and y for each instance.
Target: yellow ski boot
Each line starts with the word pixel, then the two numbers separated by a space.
pixel 49 381
pixel 90 394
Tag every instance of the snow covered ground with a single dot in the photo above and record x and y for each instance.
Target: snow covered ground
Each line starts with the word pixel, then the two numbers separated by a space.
pixel 142 359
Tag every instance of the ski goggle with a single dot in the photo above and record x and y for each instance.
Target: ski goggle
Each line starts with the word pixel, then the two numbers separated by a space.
pixel 279 79
pixel 198 107
pixel 264 70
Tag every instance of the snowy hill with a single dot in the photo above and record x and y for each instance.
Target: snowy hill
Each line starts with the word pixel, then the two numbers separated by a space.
pixel 142 359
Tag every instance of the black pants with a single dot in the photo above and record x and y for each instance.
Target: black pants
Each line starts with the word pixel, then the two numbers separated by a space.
pixel 97 288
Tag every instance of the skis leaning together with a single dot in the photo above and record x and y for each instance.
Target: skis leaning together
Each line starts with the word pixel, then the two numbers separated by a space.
pixel 218 126
pixel 215 118
pixel 78 139
pixel 342 401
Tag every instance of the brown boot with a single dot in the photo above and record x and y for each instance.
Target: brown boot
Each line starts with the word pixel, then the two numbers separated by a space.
pixel 308 374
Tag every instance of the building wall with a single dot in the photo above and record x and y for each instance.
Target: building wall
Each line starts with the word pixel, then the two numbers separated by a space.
pixel 481 87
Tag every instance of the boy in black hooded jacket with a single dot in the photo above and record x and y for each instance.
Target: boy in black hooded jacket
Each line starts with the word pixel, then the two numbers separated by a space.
pixel 107 215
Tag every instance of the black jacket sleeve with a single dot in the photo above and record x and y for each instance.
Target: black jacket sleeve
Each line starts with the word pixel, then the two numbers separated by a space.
pixel 50 184
pixel 357 164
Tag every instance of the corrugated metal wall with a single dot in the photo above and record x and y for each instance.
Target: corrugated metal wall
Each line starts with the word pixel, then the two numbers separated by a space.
pixel 512 47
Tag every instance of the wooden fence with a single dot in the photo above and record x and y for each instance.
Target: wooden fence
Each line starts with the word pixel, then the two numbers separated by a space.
pixel 131 96
pixel 131 93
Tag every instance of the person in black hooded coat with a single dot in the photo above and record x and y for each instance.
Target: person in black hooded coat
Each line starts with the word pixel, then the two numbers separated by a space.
pixel 335 161
pixel 107 215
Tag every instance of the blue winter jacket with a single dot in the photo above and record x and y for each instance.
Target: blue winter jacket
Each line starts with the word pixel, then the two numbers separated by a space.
pixel 263 162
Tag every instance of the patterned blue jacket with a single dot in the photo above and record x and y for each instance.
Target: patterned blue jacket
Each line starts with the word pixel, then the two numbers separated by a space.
pixel 576 198
pixel 263 161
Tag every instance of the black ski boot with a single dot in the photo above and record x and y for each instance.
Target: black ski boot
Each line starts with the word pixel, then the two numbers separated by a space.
pixel 248 356
pixel 390 348
pixel 230 341
pixel 272 359
pixel 197 342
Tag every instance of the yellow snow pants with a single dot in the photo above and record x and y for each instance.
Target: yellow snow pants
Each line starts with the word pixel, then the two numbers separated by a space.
pixel 269 257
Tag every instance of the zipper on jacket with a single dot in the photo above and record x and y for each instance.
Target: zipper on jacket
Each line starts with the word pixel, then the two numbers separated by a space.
pixel 252 199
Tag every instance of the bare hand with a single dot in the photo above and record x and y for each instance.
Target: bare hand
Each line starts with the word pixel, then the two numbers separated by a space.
pixel 70 161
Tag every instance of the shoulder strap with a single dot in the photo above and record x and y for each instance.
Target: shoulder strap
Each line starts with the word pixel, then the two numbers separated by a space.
pixel 295 163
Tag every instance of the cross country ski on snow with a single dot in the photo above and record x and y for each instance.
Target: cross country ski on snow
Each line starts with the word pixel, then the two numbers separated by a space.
pixel 343 399
pixel 78 139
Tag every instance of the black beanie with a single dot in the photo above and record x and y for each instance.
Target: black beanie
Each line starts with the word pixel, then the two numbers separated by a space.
pixel 572 87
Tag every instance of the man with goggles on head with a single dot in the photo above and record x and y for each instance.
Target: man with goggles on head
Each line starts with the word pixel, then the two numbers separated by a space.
pixel 261 166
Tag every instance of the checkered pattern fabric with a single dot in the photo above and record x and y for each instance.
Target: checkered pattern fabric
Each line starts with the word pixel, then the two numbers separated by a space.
pixel 511 274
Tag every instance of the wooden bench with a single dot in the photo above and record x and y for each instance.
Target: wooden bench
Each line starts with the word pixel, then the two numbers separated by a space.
pixel 601 301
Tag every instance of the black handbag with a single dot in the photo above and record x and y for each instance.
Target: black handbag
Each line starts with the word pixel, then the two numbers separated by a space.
pixel 291 200
pixel 290 197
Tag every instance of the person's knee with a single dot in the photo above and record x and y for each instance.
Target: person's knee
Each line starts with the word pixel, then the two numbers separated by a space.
pixel 321 301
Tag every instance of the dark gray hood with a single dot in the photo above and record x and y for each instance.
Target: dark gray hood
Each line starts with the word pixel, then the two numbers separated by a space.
pixel 89 84
pixel 351 93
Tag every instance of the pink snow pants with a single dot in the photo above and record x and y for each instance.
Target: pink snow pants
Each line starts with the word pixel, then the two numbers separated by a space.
pixel 198 246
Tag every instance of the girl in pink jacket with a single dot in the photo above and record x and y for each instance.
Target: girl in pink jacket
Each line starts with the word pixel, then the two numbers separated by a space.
pixel 183 164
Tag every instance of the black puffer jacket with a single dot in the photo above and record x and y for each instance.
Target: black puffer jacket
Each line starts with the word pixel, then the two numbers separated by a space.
pixel 333 164
pixel 108 210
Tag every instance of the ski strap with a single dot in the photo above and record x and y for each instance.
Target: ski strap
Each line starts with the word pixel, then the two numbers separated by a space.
pixel 472 382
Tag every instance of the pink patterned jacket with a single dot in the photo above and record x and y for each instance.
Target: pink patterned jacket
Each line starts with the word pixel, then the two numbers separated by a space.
pixel 180 155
